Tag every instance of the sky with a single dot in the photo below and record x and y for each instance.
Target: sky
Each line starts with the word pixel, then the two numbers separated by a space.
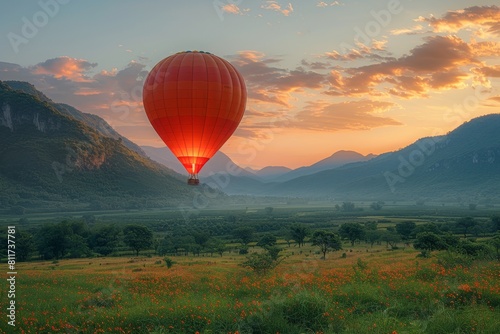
pixel 368 76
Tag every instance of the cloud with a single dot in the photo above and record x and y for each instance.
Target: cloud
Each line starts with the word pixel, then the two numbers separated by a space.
pixel 65 67
pixel 115 95
pixel 438 64
pixel 375 51
pixel 268 83
pixel 417 29
pixel 231 9
pixel 490 71
pixel 479 17
pixel 324 4
pixel 316 65
pixel 275 6
pixel 485 49
pixel 349 115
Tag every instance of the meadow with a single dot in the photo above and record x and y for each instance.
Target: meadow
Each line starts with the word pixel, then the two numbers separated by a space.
pixel 363 288
pixel 370 290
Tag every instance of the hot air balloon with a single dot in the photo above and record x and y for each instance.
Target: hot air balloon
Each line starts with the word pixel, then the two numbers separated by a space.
pixel 195 101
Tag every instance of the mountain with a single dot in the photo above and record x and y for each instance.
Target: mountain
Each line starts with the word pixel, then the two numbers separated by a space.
pixel 464 164
pixel 219 163
pixel 93 121
pixel 51 160
pixel 272 172
pixel 337 159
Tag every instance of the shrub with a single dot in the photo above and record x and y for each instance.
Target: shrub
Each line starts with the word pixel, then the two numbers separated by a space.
pixel 169 262
pixel 102 298
pixel 450 259
pixel 260 263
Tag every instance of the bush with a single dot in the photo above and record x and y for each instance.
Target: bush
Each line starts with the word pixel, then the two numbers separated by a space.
pixel 478 319
pixel 243 250
pixel 260 263
pixel 450 260
pixel 300 313
pixel 169 262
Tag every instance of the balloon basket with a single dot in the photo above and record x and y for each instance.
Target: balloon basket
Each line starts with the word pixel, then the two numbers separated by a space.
pixel 193 181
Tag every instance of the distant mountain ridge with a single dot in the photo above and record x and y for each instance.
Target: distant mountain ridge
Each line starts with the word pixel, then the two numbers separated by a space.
pixel 465 163
pixel 94 121
pixel 337 159
pixel 49 159
pixel 219 163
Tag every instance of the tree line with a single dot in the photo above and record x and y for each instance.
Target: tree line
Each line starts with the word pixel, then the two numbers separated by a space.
pixel 75 239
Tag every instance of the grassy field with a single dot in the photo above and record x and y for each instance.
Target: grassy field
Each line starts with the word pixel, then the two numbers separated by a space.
pixel 371 290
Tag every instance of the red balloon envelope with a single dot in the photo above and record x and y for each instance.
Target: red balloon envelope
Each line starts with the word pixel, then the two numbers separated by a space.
pixel 195 101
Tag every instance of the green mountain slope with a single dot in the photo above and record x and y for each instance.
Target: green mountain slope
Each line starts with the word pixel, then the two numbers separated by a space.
pixel 51 160
pixel 93 121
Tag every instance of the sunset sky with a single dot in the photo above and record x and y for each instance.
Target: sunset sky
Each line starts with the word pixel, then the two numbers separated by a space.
pixel 370 76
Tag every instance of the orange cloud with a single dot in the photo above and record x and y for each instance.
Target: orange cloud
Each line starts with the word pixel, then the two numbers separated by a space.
pixel 376 51
pixel 408 31
pixel 476 16
pixel 275 6
pixel 440 63
pixel 271 84
pixel 65 67
pixel 231 9
pixel 350 115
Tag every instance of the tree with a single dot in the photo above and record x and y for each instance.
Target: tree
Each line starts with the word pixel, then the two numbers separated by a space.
pixel 427 242
pixel 219 247
pixel 299 233
pixel 372 225
pixel 263 262
pixel 326 241
pixel 62 239
pixel 466 224
pixel 89 219
pixel 405 229
pixel 201 238
pixel 274 252
pixel 25 245
pixel 245 234
pixel 495 242
pixel 391 238
pixel 267 240
pixel 495 222
pixel 373 236
pixel 377 205
pixel 352 232
pixel 185 243
pixel 78 247
pixel 137 237
pixel 348 206
pixel 268 210
pixel 105 239
pixel 166 246
pixel 428 227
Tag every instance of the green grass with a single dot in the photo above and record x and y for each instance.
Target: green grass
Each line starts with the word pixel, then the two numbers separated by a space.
pixel 387 293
